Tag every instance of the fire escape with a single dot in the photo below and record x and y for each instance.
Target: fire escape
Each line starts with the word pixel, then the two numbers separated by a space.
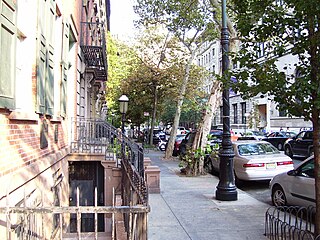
pixel 93 46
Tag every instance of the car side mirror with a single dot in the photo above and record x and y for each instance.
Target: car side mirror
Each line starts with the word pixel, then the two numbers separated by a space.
pixel 292 173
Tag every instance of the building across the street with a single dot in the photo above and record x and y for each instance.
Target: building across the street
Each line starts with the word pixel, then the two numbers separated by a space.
pixel 258 113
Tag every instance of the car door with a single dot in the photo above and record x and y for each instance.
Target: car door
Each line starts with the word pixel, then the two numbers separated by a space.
pixel 297 143
pixel 303 185
pixel 303 143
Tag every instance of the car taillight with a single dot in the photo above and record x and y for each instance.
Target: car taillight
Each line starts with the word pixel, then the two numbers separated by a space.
pixel 284 163
pixel 247 165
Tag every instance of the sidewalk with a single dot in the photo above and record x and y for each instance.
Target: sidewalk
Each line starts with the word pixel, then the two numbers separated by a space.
pixel 186 208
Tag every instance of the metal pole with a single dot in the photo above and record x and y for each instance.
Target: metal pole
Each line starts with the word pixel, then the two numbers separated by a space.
pixel 123 132
pixel 226 189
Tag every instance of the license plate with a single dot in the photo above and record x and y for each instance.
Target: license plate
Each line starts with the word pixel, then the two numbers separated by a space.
pixel 271 165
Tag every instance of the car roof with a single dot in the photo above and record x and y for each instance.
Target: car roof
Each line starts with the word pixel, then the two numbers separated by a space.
pixel 302 162
pixel 239 142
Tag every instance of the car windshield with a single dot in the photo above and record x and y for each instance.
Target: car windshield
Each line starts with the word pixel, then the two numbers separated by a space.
pixel 257 149
pixel 290 134
pixel 180 137
pixel 258 133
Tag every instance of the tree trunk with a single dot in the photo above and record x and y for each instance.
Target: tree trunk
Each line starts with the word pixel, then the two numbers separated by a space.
pixel 154 112
pixel 201 137
pixel 176 120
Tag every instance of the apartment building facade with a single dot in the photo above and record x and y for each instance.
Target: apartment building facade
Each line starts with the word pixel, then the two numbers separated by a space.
pixel 52 81
pixel 258 113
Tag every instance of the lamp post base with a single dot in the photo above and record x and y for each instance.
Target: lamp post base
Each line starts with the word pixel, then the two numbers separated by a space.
pixel 226 194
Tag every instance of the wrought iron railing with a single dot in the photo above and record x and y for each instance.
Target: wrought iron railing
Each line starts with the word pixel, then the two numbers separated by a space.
pixel 89 136
pixel 50 222
pixel 290 222
pixel 97 136
pixel 93 45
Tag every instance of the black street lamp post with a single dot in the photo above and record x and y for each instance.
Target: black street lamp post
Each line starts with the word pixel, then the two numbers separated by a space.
pixel 226 189
pixel 123 102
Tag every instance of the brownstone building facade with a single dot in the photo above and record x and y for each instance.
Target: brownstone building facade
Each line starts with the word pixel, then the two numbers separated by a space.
pixel 52 80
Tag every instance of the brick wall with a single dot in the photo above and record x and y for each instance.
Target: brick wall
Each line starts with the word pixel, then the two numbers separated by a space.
pixel 20 142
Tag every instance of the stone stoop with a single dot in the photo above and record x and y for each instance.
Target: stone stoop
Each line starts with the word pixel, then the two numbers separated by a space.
pixel 152 176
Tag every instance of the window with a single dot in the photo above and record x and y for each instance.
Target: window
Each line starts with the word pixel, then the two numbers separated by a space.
pixel 7 54
pixel 45 61
pixel 279 2
pixel 307 170
pixel 235 113
pixel 261 51
pixel 282 113
pixel 243 112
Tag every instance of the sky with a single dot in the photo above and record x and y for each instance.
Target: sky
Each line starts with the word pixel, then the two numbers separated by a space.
pixel 121 18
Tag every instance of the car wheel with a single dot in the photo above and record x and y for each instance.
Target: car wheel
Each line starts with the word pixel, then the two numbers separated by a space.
pixel 279 146
pixel 208 165
pixel 238 182
pixel 183 150
pixel 278 196
pixel 288 151
pixel 175 153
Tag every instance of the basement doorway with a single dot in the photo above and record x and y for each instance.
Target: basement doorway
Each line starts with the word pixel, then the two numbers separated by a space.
pixel 86 176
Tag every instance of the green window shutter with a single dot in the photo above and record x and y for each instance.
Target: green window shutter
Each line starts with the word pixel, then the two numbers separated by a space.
pixel 64 90
pixel 64 69
pixel 45 61
pixel 50 85
pixel 41 76
pixel 7 53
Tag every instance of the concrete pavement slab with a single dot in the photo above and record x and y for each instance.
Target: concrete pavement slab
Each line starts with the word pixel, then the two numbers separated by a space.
pixel 186 208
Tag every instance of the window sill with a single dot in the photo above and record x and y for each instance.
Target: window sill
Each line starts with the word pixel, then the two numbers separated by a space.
pixel 23 116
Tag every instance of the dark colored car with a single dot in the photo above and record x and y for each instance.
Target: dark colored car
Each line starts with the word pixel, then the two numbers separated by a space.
pixel 215 137
pixel 177 142
pixel 278 139
pixel 158 134
pixel 300 145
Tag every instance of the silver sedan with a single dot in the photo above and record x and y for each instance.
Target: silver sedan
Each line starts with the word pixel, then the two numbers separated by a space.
pixel 295 187
pixel 257 160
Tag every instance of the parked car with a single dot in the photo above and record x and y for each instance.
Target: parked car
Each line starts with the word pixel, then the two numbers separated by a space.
pixel 301 144
pixel 158 135
pixel 181 130
pixel 187 142
pixel 256 160
pixel 295 187
pixel 278 139
pixel 176 146
pixel 214 138
pixel 255 134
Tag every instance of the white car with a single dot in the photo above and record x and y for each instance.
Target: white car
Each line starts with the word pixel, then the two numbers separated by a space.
pixel 257 160
pixel 295 187
pixel 181 130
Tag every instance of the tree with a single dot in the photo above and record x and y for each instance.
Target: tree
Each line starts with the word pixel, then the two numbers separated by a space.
pixel 189 21
pixel 159 74
pixel 121 62
pixel 283 27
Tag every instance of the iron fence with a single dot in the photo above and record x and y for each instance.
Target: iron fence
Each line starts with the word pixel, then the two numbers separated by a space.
pixel 89 136
pixel 97 136
pixel 41 222
pixel 290 222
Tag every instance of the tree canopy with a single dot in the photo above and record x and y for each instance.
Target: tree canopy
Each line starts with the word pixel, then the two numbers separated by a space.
pixel 269 32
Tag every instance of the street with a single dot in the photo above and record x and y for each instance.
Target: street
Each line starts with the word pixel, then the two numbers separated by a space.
pixel 260 189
